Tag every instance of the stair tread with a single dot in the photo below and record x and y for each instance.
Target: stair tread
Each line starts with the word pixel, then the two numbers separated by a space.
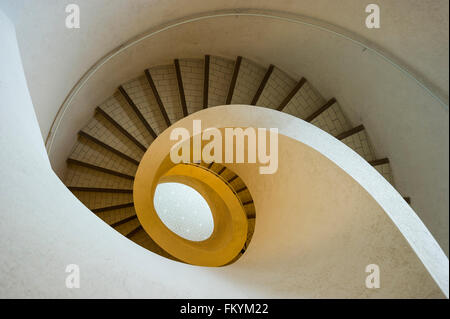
pixel 142 95
pixel 165 80
pixel 304 102
pixel 278 87
pixel 102 169
pixel 221 72
pixel 105 132
pixel 95 200
pixel 88 151
pixel 360 144
pixel 248 80
pixel 332 120
pixel 119 111
pixel 112 207
pixel 86 177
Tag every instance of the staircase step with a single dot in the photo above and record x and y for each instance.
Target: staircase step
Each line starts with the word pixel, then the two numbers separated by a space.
pixel 165 80
pixel 94 200
pixel 141 93
pixel 247 82
pixel 134 231
pixel 157 97
pixel 359 142
pixel 109 148
pixel 262 85
pixel 232 179
pixel 123 221
pixel 181 88
pixel 278 87
pixel 350 132
pixel 332 120
pixel 192 73
pixel 386 172
pixel 221 170
pixel 241 189
pixel 206 80
pixel 99 189
pixel 380 161
pixel 90 152
pixel 121 129
pixel 321 110
pixel 291 94
pixel 304 102
pixel 99 168
pixel 137 111
pixel 113 207
pixel 220 75
pixel 237 66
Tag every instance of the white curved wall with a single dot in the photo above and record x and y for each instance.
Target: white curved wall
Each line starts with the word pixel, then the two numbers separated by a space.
pixel 311 210
pixel 404 124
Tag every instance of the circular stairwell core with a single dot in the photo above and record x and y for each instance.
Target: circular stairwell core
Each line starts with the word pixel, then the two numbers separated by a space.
pixel 230 231
pixel 184 211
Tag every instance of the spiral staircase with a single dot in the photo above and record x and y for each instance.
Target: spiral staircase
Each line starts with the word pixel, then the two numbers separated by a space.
pixel 103 163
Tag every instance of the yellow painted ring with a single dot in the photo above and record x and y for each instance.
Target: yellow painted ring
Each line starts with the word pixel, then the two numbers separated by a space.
pixel 230 221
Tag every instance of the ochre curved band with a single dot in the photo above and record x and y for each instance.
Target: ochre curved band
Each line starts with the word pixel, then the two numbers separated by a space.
pixel 230 221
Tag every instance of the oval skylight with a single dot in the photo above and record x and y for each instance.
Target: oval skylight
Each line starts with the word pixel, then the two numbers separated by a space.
pixel 184 211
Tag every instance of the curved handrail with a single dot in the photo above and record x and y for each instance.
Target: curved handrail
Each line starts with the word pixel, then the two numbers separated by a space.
pixel 377 192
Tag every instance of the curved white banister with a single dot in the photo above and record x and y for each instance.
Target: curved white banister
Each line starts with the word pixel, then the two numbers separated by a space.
pixel 394 206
